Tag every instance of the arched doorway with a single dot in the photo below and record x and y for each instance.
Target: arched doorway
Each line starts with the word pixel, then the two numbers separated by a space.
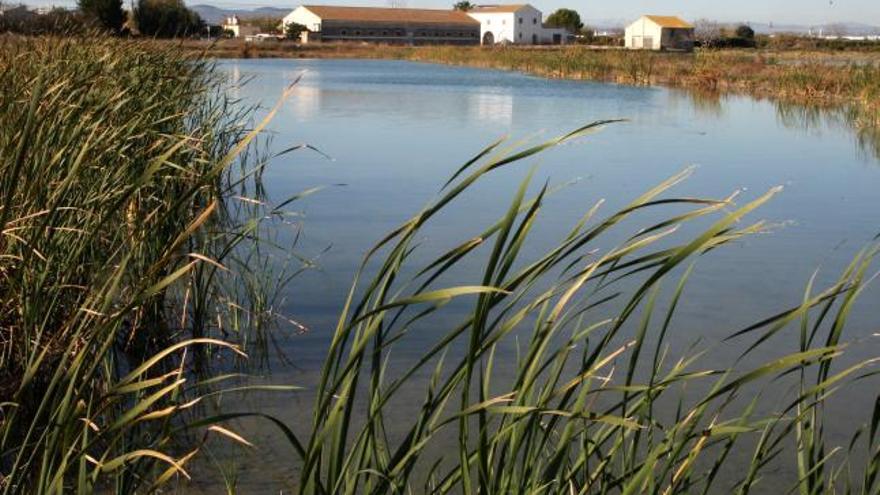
pixel 488 38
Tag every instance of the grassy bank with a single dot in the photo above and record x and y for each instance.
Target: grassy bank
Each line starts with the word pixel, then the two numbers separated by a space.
pixel 814 77
pixel 124 255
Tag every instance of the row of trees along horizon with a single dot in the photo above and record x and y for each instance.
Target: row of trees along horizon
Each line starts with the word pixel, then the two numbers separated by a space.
pixel 156 18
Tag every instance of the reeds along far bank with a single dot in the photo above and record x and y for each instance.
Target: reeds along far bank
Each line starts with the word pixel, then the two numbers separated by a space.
pixel 806 76
pixel 786 74
pixel 119 257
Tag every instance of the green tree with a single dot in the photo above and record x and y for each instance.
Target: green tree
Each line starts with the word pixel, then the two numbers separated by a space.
pixel 166 19
pixel 744 37
pixel 106 13
pixel 588 34
pixel 565 18
pixel 745 32
pixel 293 30
pixel 463 5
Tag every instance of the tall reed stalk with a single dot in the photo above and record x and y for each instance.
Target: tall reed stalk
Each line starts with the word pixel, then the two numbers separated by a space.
pixel 129 203
pixel 594 402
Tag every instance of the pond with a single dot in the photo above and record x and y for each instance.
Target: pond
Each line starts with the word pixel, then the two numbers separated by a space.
pixel 395 131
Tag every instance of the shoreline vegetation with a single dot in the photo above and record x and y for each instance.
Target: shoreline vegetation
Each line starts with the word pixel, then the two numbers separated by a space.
pixel 816 77
pixel 133 282
pixel 128 277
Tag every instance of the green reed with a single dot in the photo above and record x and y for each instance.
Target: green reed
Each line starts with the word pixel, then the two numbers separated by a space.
pixel 585 406
pixel 130 209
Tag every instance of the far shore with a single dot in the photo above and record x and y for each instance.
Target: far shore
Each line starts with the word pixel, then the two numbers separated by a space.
pixel 818 77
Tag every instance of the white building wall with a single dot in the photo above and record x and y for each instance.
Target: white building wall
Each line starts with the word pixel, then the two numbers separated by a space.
pixel 500 24
pixel 239 30
pixel 303 16
pixel 643 34
pixel 528 25
pixel 523 27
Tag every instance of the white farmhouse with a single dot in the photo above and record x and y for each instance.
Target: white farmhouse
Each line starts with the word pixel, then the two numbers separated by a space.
pixel 517 24
pixel 487 24
pixel 334 23
pixel 234 26
pixel 660 32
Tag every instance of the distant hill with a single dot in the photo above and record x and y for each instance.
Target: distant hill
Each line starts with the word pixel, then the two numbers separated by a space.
pixel 216 15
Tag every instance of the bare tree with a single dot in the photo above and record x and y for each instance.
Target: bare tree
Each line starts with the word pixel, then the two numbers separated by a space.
pixel 707 30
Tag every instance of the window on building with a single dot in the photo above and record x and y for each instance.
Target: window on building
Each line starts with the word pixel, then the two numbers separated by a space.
pixel 357 33
pixel 488 21
pixel 343 32
pixel 534 20
pixel 520 20
pixel 520 35
pixel 503 22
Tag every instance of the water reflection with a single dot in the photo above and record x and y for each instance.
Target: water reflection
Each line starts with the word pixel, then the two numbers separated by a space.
pixel 858 120
pixel 706 103
pixel 397 131
pixel 307 100
pixel 496 108
pixel 854 118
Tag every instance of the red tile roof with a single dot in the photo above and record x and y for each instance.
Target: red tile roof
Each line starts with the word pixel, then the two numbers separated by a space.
pixel 497 9
pixel 669 21
pixel 378 14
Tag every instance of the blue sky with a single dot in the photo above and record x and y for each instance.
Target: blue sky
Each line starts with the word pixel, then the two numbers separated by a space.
pixel 777 11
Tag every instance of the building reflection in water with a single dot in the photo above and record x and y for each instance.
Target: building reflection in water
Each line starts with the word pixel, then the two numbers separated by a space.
pixel 310 98
pixel 495 109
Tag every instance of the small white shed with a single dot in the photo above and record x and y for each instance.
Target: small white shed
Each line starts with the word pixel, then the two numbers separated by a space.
pixel 660 32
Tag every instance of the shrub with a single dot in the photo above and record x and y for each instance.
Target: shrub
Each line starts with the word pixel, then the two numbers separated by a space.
pixel 106 14
pixel 293 30
pixel 565 18
pixel 745 32
pixel 57 21
pixel 166 19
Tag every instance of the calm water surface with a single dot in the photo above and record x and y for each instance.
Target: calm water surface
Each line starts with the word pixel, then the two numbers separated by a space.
pixel 397 130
